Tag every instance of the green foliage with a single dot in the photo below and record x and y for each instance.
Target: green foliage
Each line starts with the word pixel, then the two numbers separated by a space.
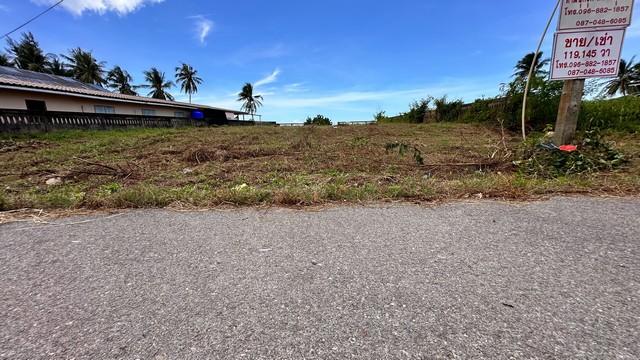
pixel 483 110
pixel 448 110
pixel 416 114
pixel 120 80
pixel 523 67
pixel 540 158
pixel 542 103
pixel 250 101
pixel 319 120
pixel 418 110
pixel 621 114
pixel 27 53
pixel 5 60
pixel 381 117
pixel 84 67
pixel 625 82
pixel 188 79
pixel 157 83
pixel 403 148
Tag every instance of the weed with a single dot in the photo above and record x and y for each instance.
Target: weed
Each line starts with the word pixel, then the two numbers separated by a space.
pixel 543 159
pixel 403 148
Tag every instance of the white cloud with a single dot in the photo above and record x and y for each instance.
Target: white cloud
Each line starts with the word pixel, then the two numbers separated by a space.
pixel 203 28
pixel 4 7
pixel 121 7
pixel 295 88
pixel 269 79
pixel 348 105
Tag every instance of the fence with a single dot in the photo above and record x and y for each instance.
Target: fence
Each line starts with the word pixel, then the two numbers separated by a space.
pixel 25 121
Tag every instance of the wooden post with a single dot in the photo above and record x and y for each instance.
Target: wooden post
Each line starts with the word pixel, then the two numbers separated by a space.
pixel 569 111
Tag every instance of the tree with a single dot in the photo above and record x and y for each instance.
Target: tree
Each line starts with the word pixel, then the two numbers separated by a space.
pixel 120 81
pixel 57 67
pixel 27 53
pixel 156 81
pixel 5 60
pixel 319 120
pixel 85 68
pixel 418 111
pixel 625 82
pixel 188 79
pixel 523 67
pixel 448 110
pixel 251 102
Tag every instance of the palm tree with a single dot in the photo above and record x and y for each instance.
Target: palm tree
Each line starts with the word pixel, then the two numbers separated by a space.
pixel 251 102
pixel 5 61
pixel 625 82
pixel 120 81
pixel 188 78
pixel 158 85
pixel 57 67
pixel 85 68
pixel 27 53
pixel 523 67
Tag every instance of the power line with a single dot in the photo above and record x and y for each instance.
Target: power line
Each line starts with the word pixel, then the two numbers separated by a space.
pixel 32 19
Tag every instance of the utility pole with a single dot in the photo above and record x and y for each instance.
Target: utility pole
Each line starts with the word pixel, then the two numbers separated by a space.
pixel 569 111
pixel 587 44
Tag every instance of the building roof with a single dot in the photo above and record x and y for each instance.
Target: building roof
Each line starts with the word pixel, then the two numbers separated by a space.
pixel 18 79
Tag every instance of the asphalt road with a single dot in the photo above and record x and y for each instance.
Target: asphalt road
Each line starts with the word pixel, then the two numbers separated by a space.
pixel 549 280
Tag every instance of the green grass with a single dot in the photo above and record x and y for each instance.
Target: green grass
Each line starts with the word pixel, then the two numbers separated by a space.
pixel 208 167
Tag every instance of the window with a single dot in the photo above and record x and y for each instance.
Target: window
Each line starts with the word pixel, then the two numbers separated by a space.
pixel 101 109
pixel 180 114
pixel 148 112
pixel 36 105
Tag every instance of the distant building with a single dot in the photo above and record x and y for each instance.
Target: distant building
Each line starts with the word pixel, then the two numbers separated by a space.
pixel 29 92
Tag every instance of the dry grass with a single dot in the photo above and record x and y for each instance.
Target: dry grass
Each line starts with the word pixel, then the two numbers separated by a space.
pixel 276 166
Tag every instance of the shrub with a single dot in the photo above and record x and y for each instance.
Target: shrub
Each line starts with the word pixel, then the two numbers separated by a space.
pixel 620 114
pixel 540 158
pixel 318 120
pixel 448 110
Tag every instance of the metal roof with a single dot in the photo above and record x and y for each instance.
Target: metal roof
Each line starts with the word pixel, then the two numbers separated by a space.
pixel 19 79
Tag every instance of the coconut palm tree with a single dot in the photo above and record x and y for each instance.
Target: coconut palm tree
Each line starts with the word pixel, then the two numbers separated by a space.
pixel 523 67
pixel 5 61
pixel 625 82
pixel 120 81
pixel 158 85
pixel 57 67
pixel 85 67
pixel 188 79
pixel 27 53
pixel 251 102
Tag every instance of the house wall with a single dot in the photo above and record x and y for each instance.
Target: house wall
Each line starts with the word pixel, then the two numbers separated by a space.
pixel 15 100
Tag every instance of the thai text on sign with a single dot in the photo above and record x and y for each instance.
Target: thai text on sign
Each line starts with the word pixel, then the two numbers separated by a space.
pixel 584 14
pixel 587 54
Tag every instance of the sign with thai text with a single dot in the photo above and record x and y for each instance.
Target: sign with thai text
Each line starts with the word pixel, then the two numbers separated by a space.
pixel 587 54
pixel 586 14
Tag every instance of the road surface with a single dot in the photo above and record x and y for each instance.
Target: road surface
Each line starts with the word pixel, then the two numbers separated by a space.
pixel 550 280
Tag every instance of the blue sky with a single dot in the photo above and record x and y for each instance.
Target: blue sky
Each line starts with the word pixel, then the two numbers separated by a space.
pixel 345 59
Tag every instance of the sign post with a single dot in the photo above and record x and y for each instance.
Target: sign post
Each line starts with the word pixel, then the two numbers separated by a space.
pixel 588 44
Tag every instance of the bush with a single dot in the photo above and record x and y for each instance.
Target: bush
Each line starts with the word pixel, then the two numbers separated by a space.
pixel 416 115
pixel 540 158
pixel 448 110
pixel 319 120
pixel 483 110
pixel 621 114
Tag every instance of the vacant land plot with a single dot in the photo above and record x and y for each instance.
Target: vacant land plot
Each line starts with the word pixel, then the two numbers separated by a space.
pixel 205 167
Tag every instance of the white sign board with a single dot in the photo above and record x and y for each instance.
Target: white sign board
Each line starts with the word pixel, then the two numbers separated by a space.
pixel 585 14
pixel 587 54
